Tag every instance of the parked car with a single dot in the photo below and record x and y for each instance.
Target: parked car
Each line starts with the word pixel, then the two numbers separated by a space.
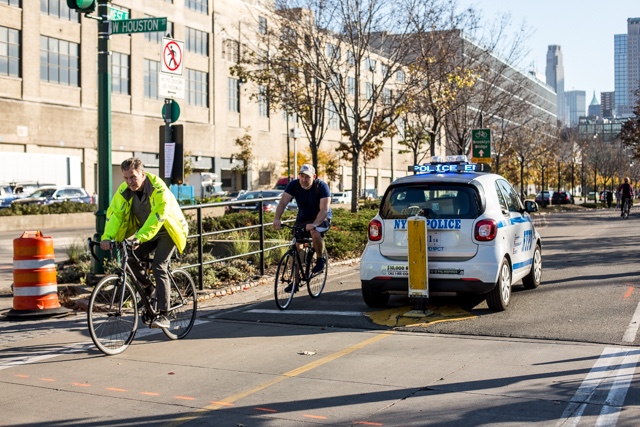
pixel 480 238
pixel 24 189
pixel 543 198
pixel 281 183
pixel 6 195
pixel 341 197
pixel 50 195
pixel 267 206
pixel 603 196
pixel 561 198
pixel 233 195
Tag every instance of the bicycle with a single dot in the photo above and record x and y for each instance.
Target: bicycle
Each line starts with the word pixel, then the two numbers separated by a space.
pixel 626 208
pixel 119 299
pixel 296 268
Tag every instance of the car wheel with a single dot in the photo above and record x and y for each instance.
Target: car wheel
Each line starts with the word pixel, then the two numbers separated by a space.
pixel 499 297
pixel 533 279
pixel 374 299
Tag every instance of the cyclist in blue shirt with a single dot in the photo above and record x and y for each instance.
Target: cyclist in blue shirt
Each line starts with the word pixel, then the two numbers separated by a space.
pixel 314 211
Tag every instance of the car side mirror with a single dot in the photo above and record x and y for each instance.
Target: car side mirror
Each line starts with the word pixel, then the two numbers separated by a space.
pixel 530 206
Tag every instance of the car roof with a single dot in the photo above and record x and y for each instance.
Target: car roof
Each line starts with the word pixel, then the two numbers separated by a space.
pixel 459 177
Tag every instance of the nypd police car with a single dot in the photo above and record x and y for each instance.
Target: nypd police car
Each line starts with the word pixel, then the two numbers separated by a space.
pixel 480 237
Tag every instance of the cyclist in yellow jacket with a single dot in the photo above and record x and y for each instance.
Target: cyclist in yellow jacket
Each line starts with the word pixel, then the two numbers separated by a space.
pixel 143 207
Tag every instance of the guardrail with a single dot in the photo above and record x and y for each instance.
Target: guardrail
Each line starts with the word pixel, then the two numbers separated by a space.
pixel 200 235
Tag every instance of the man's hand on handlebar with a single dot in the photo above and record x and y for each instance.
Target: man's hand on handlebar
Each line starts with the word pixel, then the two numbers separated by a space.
pixel 134 243
pixel 105 245
pixel 277 224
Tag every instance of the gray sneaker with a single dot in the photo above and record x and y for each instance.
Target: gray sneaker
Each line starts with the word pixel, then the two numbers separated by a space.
pixel 161 322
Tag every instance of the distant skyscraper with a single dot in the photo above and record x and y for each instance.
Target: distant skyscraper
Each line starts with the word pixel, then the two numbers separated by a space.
pixel 627 68
pixel 554 74
pixel 594 107
pixel 607 104
pixel 576 103
pixel 633 60
pixel 621 104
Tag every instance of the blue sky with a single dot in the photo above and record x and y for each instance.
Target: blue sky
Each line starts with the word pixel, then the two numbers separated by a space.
pixel 583 28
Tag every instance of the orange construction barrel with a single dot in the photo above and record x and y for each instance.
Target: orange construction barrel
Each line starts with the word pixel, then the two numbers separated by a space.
pixel 35 287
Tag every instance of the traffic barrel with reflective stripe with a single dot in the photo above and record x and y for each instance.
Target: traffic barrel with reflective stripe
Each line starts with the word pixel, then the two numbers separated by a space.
pixel 35 287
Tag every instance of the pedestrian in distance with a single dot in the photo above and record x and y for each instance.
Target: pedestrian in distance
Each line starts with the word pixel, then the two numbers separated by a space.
pixel 143 207
pixel 609 198
pixel 314 211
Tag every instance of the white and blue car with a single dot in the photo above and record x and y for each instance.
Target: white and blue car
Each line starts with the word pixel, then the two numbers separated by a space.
pixel 480 237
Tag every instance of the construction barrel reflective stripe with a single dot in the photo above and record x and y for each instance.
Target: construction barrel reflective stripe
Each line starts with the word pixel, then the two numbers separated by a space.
pixel 35 286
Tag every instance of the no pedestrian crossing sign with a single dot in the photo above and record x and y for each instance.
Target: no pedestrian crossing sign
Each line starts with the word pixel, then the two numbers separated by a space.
pixel 172 56
pixel 481 144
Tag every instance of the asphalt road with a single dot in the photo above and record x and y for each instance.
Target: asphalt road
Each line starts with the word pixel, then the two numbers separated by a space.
pixel 565 354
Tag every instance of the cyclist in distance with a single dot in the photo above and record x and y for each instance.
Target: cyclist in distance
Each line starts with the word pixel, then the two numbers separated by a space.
pixel 314 211
pixel 143 207
pixel 626 192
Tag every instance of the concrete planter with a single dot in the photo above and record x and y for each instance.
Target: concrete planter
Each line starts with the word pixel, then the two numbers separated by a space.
pixel 47 222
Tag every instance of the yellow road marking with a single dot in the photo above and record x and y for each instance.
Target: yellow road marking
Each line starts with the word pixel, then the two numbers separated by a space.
pixel 235 397
pixel 395 316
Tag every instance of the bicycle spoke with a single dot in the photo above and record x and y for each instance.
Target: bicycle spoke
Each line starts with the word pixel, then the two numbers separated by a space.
pixel 316 281
pixel 183 305
pixel 112 325
pixel 286 281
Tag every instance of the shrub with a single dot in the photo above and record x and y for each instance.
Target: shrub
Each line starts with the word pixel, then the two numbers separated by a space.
pixel 55 208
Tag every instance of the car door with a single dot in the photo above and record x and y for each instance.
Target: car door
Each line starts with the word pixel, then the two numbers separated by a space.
pixel 520 231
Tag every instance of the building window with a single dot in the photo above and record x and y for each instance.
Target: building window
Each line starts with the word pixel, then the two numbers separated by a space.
pixel 9 52
pixel 400 76
pixel 197 5
pixel 368 90
pixel 351 60
pixel 233 101
pixel 57 8
pixel 351 86
pixel 230 50
pixel 197 88
pixel 156 36
pixel 197 41
pixel 151 79
pixel 59 61
pixel 370 64
pixel 333 51
pixel 386 96
pixel 263 101
pixel 384 69
pixel 15 3
pixel 120 73
pixel 334 122
pixel 262 25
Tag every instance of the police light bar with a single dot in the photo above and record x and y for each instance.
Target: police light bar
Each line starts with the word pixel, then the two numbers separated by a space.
pixel 452 164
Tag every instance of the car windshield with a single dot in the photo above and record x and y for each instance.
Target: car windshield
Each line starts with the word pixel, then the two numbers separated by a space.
pixel 48 192
pixel 436 201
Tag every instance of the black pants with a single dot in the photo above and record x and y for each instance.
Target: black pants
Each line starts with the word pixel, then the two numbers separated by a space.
pixel 164 247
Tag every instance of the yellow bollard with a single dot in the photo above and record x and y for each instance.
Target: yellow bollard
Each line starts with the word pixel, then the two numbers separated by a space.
pixel 418 266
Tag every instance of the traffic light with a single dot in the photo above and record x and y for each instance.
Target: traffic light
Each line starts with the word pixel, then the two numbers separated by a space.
pixel 82 6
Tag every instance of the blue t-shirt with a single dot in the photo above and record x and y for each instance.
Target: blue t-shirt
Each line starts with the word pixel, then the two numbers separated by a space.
pixel 308 200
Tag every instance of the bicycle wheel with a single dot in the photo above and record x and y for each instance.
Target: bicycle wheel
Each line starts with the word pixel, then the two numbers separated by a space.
pixel 625 210
pixel 286 280
pixel 316 281
pixel 183 305
pixel 112 326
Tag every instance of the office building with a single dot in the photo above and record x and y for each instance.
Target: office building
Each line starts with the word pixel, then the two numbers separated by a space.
pixel 576 103
pixel 594 107
pixel 554 74
pixel 627 68
pixel 607 104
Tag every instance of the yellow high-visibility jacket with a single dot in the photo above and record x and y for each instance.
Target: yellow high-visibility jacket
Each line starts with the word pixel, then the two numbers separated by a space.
pixel 165 210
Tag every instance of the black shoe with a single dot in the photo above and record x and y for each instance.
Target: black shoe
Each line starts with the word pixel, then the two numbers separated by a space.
pixel 288 288
pixel 320 263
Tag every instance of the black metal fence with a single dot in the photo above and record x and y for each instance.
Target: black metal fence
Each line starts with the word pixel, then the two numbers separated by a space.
pixel 200 235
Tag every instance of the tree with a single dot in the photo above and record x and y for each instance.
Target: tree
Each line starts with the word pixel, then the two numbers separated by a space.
pixel 630 134
pixel 245 154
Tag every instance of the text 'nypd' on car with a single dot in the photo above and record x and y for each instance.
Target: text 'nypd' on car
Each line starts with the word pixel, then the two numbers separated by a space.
pixel 480 238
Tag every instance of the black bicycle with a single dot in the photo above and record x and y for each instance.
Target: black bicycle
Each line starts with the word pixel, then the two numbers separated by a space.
pixel 119 299
pixel 626 207
pixel 296 268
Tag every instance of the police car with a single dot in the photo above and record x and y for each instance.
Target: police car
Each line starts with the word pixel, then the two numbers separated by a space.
pixel 480 238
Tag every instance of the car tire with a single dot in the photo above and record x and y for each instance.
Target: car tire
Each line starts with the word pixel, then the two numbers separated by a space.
pixel 533 279
pixel 499 297
pixel 375 299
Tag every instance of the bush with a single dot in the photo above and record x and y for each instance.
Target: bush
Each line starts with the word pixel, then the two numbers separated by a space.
pixel 55 208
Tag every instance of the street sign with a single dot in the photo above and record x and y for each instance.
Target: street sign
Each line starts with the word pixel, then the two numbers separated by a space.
pixel 172 57
pixel 144 25
pixel 170 86
pixel 116 14
pixel 175 111
pixel 481 144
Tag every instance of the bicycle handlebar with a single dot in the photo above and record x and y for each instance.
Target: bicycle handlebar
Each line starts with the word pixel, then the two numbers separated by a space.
pixel 125 245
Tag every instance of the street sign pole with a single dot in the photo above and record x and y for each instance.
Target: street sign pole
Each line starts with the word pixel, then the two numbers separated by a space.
pixel 167 133
pixel 104 125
